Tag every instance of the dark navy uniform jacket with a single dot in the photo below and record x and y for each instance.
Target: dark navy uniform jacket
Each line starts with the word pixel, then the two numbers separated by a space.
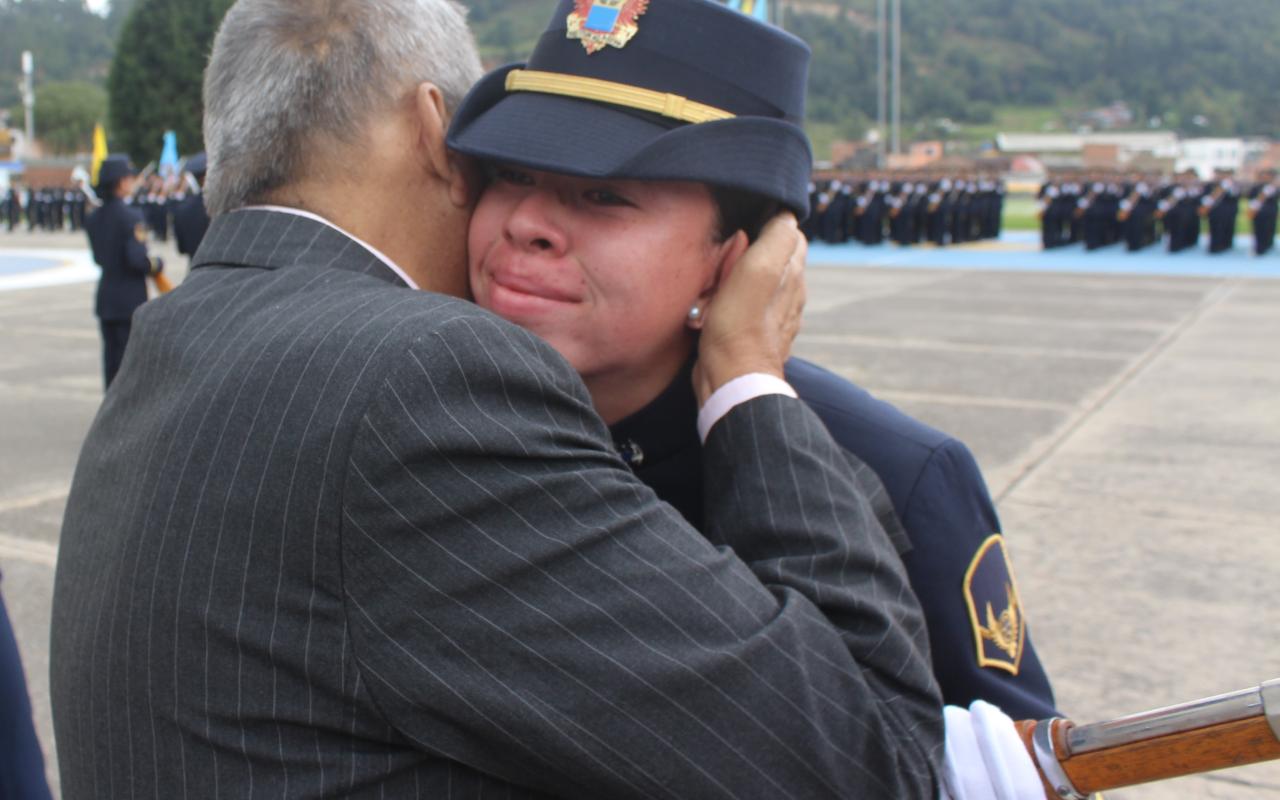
pixel 933 490
pixel 21 761
pixel 190 221
pixel 119 246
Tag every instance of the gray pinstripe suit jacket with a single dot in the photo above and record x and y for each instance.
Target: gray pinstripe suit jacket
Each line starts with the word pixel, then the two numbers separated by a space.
pixel 329 536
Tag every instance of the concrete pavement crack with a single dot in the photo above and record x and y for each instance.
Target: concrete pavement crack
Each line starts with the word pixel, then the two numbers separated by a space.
pixel 1122 380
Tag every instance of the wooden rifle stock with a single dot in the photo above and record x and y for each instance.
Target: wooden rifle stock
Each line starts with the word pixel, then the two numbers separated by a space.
pixel 1229 730
pixel 163 284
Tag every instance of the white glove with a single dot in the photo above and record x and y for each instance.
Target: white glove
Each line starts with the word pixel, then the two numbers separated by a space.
pixel 986 759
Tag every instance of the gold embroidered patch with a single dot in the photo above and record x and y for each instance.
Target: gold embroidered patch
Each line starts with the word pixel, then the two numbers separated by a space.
pixel 991 593
pixel 140 232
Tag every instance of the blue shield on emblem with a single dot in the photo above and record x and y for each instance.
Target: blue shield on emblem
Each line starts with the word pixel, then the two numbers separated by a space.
pixel 601 19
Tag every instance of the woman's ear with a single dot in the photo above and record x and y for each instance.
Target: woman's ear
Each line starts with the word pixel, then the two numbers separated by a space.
pixel 726 256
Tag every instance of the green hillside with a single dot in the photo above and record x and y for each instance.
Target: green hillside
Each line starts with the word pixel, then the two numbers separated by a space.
pixel 1205 67
pixel 970 67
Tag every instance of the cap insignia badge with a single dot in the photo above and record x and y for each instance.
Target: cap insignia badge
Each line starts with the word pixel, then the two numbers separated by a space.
pixel 604 22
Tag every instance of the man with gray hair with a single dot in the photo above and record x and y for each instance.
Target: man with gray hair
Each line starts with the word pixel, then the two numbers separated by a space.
pixel 337 532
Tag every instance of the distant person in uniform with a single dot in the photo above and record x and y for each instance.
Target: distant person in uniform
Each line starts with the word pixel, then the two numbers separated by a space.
pixel 1221 205
pixel 118 237
pixel 1262 212
pixel 613 253
pixel 190 219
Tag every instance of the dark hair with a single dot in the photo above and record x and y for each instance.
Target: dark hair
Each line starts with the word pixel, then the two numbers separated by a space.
pixel 739 210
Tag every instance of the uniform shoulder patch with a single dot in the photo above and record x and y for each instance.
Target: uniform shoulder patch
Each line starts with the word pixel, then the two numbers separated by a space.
pixel 995 611
pixel 140 232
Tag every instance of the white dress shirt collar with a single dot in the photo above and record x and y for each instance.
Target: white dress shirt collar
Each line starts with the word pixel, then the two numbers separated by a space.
pixel 317 218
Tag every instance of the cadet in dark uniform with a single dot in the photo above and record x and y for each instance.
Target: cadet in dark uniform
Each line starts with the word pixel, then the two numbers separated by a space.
pixel 118 237
pixel 1221 206
pixel 1262 212
pixel 190 219
pixel 929 487
pixel 924 485
pixel 1051 214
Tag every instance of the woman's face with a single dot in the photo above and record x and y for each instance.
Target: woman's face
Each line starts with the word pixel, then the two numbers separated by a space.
pixel 605 271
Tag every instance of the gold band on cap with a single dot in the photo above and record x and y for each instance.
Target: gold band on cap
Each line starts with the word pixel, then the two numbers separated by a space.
pixel 618 94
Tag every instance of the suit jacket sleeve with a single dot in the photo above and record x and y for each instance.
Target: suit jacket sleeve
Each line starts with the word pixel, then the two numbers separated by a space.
pixel 950 516
pixel 519 603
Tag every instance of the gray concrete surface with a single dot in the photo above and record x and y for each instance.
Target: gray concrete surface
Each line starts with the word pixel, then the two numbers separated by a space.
pixel 1129 428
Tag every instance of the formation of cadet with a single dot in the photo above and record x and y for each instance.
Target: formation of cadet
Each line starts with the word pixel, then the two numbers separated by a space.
pixel 47 208
pixel 908 209
pixel 1141 210
pixel 53 209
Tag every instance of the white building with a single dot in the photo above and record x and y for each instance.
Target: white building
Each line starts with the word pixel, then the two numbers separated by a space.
pixel 1068 149
pixel 1206 155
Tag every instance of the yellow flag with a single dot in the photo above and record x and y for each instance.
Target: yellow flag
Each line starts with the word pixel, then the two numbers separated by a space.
pixel 99 151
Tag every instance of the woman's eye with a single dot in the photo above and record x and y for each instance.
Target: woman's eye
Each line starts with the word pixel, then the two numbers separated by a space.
pixel 515 176
pixel 604 197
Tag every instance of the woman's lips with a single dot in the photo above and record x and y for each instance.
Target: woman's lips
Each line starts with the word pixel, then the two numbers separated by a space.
pixel 525 282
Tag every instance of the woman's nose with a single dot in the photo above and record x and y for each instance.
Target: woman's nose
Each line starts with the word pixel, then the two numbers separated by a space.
pixel 536 222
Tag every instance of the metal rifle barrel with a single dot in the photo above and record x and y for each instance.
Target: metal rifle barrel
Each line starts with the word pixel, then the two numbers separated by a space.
pixel 1227 730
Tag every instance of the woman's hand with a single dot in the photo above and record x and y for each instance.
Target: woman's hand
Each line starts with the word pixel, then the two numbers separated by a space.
pixel 754 317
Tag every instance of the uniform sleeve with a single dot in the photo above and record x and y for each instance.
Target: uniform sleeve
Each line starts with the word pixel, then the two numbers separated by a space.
pixel 520 603
pixel 136 258
pixel 962 573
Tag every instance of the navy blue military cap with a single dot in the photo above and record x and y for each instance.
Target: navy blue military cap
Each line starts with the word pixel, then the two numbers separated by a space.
pixel 198 164
pixel 651 90
pixel 113 168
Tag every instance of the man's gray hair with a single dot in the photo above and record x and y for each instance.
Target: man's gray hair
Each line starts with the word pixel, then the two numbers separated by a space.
pixel 287 76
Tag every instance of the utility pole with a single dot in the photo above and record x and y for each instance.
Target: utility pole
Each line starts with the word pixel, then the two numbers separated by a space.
pixel 28 103
pixel 897 76
pixel 882 35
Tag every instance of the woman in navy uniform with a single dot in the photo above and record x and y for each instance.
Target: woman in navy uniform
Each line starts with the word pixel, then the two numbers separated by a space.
pixel 118 237
pixel 604 229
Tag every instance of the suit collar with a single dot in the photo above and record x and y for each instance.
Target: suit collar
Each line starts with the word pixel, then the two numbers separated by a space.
pixel 272 238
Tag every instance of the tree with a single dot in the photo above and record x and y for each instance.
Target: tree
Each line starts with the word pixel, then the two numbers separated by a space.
pixel 66 113
pixel 157 74
pixel 68 41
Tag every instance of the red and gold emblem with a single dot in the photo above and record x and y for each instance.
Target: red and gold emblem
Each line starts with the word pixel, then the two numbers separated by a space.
pixel 604 22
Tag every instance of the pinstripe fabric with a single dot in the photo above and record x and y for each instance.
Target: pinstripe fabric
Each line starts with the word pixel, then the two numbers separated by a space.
pixel 332 537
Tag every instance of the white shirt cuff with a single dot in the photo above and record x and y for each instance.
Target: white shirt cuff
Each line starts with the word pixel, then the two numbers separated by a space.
pixel 739 390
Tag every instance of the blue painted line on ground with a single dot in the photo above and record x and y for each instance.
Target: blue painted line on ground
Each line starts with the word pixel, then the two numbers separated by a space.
pixel 1021 251
pixel 12 265
pixel 30 268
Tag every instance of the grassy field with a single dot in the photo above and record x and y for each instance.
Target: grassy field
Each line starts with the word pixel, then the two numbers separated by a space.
pixel 1026 119
pixel 1020 213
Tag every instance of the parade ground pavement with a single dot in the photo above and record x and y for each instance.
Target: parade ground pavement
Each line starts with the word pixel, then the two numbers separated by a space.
pixel 1125 409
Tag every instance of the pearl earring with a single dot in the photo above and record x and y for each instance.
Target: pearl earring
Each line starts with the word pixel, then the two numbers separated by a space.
pixel 695 314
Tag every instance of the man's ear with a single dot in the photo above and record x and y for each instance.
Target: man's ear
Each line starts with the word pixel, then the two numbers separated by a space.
pixel 433 125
